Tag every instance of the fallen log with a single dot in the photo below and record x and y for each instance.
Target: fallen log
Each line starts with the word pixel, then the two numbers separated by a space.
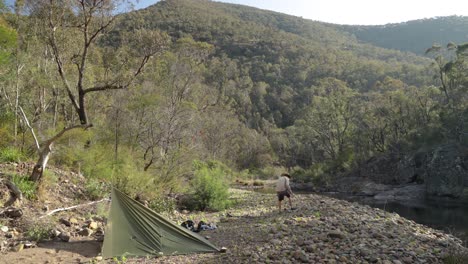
pixel 73 207
pixel 11 212
pixel 15 193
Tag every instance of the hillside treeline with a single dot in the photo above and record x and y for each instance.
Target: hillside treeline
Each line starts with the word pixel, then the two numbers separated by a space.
pixel 139 99
pixel 413 36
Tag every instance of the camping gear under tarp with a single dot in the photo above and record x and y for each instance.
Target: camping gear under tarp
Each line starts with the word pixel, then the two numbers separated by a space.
pixel 135 230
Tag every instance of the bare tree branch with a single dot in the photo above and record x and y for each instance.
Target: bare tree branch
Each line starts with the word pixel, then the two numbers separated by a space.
pixel 73 207
pixel 25 119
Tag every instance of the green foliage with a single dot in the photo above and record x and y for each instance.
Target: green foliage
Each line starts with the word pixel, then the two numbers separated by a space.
pixel 98 162
pixel 8 38
pixel 265 173
pixel 251 88
pixel 6 121
pixel 131 179
pixel 96 189
pixel 10 154
pixel 455 258
pixel 163 204
pixel 27 187
pixel 344 161
pixel 209 186
pixel 318 174
pixel 39 231
pixel 414 36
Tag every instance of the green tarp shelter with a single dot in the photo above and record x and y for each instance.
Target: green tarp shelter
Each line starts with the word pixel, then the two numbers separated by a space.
pixel 135 230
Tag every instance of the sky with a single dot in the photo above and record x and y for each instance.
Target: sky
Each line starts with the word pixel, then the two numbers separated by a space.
pixel 355 12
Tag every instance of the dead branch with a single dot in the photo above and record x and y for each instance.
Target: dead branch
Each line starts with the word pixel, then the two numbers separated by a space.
pixel 73 207
pixel 25 119
pixel 15 193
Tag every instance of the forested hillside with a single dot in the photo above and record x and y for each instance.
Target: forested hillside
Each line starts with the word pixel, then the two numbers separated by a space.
pixel 188 92
pixel 414 36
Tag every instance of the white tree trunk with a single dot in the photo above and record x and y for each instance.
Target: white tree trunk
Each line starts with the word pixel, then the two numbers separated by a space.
pixel 41 164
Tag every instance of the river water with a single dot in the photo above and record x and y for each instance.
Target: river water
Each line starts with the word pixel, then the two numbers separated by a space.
pixel 451 217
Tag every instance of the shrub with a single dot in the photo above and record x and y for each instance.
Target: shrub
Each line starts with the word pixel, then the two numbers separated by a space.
pixel 38 231
pixel 98 162
pixel 257 183
pixel 27 187
pixel 317 174
pixel 267 173
pixel 455 258
pixel 163 204
pixel 96 189
pixel 9 154
pixel 210 189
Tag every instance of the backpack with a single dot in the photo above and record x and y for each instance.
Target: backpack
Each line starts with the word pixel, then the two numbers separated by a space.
pixel 189 224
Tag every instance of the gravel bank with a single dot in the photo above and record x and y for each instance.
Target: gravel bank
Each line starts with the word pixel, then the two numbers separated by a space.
pixel 321 230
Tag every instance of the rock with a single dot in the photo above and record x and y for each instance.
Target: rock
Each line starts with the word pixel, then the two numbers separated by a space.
pixel 4 229
pixel 336 234
pixel 85 232
pixel 98 258
pixel 54 233
pixel 371 188
pixel 65 222
pixel 276 242
pixel 300 241
pixel 411 192
pixel 311 248
pixel 29 245
pixel 446 172
pixel 99 231
pixel 223 250
pixel 18 247
pixel 408 260
pixel 73 221
pixel 93 225
pixel 301 255
pixel 64 236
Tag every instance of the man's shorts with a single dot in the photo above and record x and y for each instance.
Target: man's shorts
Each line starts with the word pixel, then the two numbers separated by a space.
pixel 282 194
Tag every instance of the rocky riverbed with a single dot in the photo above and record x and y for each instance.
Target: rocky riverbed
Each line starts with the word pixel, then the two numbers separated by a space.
pixel 320 230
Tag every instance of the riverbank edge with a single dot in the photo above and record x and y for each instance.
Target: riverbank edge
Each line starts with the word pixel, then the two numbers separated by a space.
pixel 322 230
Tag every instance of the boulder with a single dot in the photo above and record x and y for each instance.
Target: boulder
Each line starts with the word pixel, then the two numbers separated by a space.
pixel 64 236
pixel 372 188
pixel 93 225
pixel 406 193
pixel 446 172
pixel 406 170
pixel 85 232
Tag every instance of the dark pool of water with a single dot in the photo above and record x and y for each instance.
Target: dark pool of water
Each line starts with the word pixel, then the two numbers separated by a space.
pixel 452 217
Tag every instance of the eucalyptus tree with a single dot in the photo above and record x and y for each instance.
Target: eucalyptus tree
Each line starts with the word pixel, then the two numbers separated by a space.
pixel 71 30
pixel 330 117
pixel 8 38
pixel 452 65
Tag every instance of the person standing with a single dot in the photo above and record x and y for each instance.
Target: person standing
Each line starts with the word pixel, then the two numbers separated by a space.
pixel 283 189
